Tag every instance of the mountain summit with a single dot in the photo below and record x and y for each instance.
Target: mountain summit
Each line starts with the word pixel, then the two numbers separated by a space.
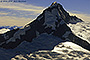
pixel 65 15
pixel 53 21
pixel 54 3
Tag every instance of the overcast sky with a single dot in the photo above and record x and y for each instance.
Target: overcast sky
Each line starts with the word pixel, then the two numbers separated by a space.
pixel 21 13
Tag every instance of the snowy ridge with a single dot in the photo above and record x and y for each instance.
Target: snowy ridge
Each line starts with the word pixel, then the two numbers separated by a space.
pixel 69 45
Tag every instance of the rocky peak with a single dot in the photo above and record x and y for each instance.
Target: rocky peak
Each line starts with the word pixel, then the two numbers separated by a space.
pixel 52 21
pixel 63 14
pixel 53 3
pixel 60 10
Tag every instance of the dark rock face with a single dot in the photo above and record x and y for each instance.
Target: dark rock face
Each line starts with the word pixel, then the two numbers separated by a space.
pixel 74 20
pixel 53 21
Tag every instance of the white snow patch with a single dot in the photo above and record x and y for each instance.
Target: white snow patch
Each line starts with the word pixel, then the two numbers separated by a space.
pixel 2 31
pixel 75 46
pixel 20 57
pixel 68 46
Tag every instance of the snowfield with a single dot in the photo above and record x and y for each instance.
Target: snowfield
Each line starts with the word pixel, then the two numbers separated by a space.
pixel 81 29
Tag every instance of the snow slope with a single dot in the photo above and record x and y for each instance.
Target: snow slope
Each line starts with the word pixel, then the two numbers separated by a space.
pixel 64 50
pixel 82 30
pixel 41 47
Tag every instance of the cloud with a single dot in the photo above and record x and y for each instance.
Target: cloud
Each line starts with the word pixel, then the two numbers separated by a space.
pixel 21 7
pixel 18 13
pixel 10 21
pixel 3 13
pixel 83 16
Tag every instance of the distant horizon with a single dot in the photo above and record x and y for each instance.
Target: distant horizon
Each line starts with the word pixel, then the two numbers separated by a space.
pixel 21 13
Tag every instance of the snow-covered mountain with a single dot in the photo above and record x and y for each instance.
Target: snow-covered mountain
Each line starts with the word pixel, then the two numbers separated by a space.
pixel 53 26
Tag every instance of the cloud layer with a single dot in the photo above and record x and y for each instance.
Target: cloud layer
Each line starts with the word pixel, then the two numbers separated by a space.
pixel 83 16
pixel 10 21
pixel 21 6
pixel 17 13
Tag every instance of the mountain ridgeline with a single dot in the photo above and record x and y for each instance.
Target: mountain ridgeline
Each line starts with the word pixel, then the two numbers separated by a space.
pixel 52 21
